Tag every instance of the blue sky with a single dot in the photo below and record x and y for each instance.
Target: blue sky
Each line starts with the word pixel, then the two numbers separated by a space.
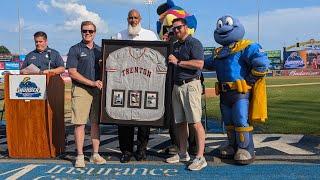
pixel 282 22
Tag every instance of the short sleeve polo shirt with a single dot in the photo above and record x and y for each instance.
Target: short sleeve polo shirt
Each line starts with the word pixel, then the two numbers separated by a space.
pixel 187 50
pixel 43 59
pixel 85 60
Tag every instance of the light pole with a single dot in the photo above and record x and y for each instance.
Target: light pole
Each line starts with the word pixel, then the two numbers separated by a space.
pixel 19 26
pixel 258 7
pixel 149 3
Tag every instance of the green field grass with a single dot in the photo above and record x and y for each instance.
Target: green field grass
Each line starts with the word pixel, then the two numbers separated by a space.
pixel 277 80
pixel 293 109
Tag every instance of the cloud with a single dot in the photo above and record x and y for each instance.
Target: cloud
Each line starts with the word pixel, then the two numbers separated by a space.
pixel 42 6
pixel 16 28
pixel 76 13
pixel 128 1
pixel 283 27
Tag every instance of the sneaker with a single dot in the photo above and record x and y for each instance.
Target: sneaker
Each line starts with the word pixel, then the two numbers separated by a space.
pixel 177 158
pixel 97 159
pixel 198 164
pixel 79 162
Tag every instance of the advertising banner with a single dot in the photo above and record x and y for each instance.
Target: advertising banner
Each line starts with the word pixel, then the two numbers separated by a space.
pixel 3 72
pixel 274 53
pixel 5 57
pixel 313 58
pixel 12 65
pixel 275 59
pixel 2 65
pixel 301 72
pixel 274 56
pixel 302 59
pixel 208 52
pixel 27 87
pixel 294 59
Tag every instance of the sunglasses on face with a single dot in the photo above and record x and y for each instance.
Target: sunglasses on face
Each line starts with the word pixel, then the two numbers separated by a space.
pixel 84 31
pixel 133 17
pixel 177 28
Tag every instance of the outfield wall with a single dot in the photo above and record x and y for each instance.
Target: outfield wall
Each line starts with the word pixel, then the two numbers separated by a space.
pixel 296 72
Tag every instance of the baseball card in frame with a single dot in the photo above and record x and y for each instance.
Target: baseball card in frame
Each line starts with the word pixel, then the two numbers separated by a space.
pixel 134 99
pixel 151 100
pixel 118 98
pixel 137 83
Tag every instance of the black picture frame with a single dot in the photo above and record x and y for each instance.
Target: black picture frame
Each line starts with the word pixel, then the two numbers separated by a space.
pixel 151 100
pixel 118 98
pixel 165 49
pixel 134 99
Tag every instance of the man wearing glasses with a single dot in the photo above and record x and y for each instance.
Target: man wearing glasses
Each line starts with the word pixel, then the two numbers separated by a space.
pixel 188 59
pixel 126 133
pixel 83 66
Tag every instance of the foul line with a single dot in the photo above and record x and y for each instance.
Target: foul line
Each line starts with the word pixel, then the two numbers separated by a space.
pixel 299 84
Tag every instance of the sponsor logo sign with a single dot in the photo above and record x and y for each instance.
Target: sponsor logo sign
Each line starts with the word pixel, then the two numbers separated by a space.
pixel 66 171
pixel 27 86
pixel 12 65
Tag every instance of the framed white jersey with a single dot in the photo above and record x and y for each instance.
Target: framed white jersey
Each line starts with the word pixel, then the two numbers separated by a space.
pixel 136 83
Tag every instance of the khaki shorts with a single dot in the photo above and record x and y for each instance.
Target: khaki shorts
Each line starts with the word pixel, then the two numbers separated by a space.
pixel 85 105
pixel 186 102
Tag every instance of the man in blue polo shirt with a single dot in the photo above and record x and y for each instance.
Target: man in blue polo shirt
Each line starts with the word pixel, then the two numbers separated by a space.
pixel 188 59
pixel 43 57
pixel 83 67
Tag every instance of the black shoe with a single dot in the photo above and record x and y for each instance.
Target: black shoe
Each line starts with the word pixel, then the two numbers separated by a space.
pixel 140 155
pixel 193 150
pixel 125 157
pixel 172 150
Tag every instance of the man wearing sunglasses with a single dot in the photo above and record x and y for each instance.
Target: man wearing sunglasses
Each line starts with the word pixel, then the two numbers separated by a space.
pixel 126 133
pixel 188 59
pixel 83 66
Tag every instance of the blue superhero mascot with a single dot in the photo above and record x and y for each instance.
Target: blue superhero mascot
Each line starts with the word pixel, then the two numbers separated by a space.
pixel 241 66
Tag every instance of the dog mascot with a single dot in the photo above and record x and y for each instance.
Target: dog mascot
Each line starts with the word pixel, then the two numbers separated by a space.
pixel 241 66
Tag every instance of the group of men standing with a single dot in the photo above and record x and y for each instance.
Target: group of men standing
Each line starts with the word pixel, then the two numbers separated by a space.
pixel 241 66
pixel 83 64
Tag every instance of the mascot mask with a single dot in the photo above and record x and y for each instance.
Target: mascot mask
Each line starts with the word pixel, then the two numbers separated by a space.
pixel 168 12
pixel 228 30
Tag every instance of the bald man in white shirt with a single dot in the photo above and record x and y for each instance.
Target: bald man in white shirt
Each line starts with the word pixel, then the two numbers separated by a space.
pixel 126 133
